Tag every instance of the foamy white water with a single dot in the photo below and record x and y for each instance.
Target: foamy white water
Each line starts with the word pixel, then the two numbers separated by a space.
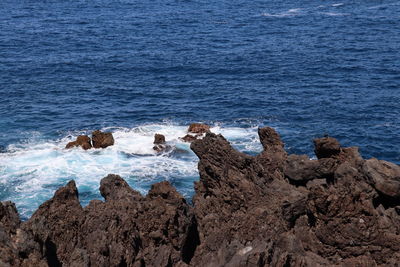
pixel 31 172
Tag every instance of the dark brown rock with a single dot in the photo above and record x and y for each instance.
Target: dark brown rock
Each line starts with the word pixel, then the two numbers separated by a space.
pixel 9 218
pixel 326 147
pixel 159 143
pixel 198 128
pixel 265 210
pixel 195 131
pixel 113 187
pixel 55 226
pixel 384 176
pixel 101 139
pixel 159 139
pixel 302 168
pixel 273 156
pixel 270 140
pixel 82 141
pixel 190 138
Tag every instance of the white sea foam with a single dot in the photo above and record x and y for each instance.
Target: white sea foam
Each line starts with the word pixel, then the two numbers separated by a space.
pixel 289 13
pixel 335 14
pixel 30 172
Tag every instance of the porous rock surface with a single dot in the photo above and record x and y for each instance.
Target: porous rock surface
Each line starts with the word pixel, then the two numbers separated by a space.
pixel 272 209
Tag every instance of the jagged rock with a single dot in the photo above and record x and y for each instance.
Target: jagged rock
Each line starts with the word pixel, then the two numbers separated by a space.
pixel 113 187
pixel 82 141
pixel 101 139
pixel 270 140
pixel 125 230
pixel 9 218
pixel 265 210
pixel 55 225
pixel 198 128
pixel 273 156
pixel 236 193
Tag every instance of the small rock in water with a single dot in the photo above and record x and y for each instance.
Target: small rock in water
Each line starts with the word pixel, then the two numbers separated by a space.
pixel 159 142
pixel 82 141
pixel 159 139
pixel 101 139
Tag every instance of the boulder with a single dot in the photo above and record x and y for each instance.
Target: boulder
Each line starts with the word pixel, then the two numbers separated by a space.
pixel 326 147
pixel 384 176
pixel 198 128
pixel 102 139
pixel 302 168
pixel 159 139
pixel 82 141
pixel 159 143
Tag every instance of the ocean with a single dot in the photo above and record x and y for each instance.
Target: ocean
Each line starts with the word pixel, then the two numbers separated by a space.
pixel 136 68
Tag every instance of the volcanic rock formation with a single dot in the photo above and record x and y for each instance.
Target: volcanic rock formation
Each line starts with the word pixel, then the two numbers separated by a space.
pixel 195 131
pixel 198 128
pixel 82 141
pixel 159 143
pixel 271 209
pixel 101 139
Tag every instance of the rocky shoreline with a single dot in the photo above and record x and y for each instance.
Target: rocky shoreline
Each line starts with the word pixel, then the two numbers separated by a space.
pixel 271 209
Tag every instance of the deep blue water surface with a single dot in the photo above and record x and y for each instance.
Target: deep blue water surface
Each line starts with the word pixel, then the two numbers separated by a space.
pixel 140 67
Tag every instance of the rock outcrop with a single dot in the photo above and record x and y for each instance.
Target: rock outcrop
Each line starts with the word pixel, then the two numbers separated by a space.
pixel 271 209
pixel 195 131
pixel 99 139
pixel 102 139
pixel 198 128
pixel 82 141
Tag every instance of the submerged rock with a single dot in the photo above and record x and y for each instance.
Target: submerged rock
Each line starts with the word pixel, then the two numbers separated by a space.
pixel 102 139
pixel 82 141
pixel 265 210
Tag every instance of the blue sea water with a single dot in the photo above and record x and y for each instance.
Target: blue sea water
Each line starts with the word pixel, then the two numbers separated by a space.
pixel 307 68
